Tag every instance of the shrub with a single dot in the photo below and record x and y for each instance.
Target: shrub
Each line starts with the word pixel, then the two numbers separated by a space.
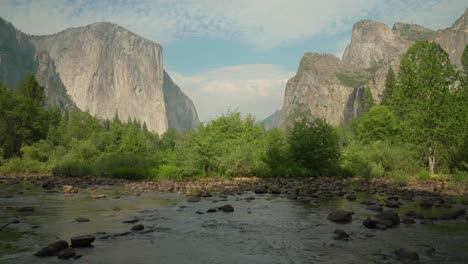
pixel 169 171
pixel 424 175
pixel 122 165
pixel 18 165
pixel 459 177
pixel 73 168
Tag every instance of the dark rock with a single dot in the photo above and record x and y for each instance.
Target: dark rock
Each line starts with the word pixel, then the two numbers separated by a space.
pixel 77 256
pixel 453 215
pixel 393 197
pixel 199 212
pixel 414 214
pixel 370 201
pixel 390 215
pixel 251 198
pixel 408 221
pixel 194 199
pixel 351 197
pixel 52 249
pixel 275 190
pixel 48 185
pixel 121 234
pixel 6 196
pixel 292 196
pixel 205 194
pixel 131 221
pixel 340 216
pixel 430 251
pixel 227 208
pixel 82 219
pixel 25 209
pixel 384 220
pixel 404 253
pixel 260 189
pixel 426 222
pixel 211 210
pixel 375 207
pixel 67 253
pixel 465 202
pixel 340 235
pixel 426 203
pixel 138 227
pixel 82 241
pixel 393 204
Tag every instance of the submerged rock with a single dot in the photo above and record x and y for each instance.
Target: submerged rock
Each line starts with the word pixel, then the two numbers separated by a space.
pixel 370 201
pixel 67 253
pixel 426 203
pixel 211 210
pixel 375 207
pixel 340 216
pixel 393 204
pixel 52 249
pixel 404 253
pixel 340 235
pixel 384 220
pixel 227 208
pixel 194 199
pixel 82 220
pixel 138 227
pixel 25 209
pixel 82 241
pixel 351 197
pixel 453 215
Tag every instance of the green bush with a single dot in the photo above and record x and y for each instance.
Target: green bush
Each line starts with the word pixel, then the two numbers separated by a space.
pixel 380 159
pixel 424 175
pixel 122 165
pixel 73 168
pixel 169 171
pixel 18 165
pixel 459 177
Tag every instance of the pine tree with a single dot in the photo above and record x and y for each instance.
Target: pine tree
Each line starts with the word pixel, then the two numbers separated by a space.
pixel 390 82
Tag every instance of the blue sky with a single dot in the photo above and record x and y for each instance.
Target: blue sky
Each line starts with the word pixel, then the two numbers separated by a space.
pixel 232 54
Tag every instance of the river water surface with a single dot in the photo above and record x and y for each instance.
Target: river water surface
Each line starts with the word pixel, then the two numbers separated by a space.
pixel 269 229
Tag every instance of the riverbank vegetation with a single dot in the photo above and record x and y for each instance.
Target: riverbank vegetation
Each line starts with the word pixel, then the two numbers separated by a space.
pixel 419 130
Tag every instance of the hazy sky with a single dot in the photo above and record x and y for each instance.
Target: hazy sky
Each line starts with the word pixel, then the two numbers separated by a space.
pixel 233 54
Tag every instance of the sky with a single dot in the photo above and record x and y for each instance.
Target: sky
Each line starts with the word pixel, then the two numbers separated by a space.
pixel 232 55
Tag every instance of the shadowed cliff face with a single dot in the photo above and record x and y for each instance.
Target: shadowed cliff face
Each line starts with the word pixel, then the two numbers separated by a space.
pixel 106 70
pixel 328 87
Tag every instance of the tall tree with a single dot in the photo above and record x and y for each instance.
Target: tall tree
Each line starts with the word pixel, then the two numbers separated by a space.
pixel 423 98
pixel 390 83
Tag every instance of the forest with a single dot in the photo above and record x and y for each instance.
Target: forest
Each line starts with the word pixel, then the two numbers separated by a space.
pixel 419 131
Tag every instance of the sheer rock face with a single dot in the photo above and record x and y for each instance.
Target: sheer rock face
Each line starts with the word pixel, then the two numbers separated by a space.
pixel 106 70
pixel 373 48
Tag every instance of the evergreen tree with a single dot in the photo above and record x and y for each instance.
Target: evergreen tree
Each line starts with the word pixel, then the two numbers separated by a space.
pixel 390 83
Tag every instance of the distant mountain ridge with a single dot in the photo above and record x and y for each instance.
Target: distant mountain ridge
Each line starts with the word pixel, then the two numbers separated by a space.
pixel 332 88
pixel 101 68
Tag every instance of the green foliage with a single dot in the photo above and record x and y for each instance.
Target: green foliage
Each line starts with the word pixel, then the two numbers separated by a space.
pixel 73 168
pixel 464 59
pixel 424 175
pixel 18 165
pixel 126 165
pixel 390 83
pixel 379 124
pixel 380 159
pixel 369 101
pixel 353 79
pixel 423 100
pixel 314 144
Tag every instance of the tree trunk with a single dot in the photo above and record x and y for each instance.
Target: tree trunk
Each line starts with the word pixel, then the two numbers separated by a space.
pixel 431 164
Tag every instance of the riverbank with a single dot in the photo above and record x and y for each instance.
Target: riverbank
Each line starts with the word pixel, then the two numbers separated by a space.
pixel 294 187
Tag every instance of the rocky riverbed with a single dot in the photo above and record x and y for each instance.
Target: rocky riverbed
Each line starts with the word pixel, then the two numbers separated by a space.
pixel 47 219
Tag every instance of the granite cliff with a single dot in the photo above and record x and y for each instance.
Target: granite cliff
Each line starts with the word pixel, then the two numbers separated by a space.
pixel 333 89
pixel 103 69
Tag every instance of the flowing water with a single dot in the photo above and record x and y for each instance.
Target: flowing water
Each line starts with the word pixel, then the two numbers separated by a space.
pixel 269 229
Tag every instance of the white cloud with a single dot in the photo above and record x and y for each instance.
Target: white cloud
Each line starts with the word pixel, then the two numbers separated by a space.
pixel 251 88
pixel 263 23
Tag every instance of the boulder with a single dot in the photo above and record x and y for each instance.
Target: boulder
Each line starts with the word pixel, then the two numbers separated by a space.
pixel 138 227
pixel 426 203
pixel 375 207
pixel 351 197
pixel 48 185
pixel 205 194
pixel 260 189
pixel 82 220
pixel 408 221
pixel 70 189
pixel 340 235
pixel 404 253
pixel 52 249
pixel 393 204
pixel 340 216
pixel 370 201
pixel 384 220
pixel 82 241
pixel 227 208
pixel 211 210
pixel 453 215
pixel 194 199
pixel 67 253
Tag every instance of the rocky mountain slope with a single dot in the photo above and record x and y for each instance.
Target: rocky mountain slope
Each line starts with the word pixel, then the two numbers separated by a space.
pixel 103 69
pixel 333 89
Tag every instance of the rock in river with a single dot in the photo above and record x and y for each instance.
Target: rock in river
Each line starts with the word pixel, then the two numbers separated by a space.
pixel 227 208
pixel 194 199
pixel 82 241
pixel 453 215
pixel 351 197
pixel 82 220
pixel 340 235
pixel 340 216
pixel 370 201
pixel 67 253
pixel 260 189
pixel 138 227
pixel 426 203
pixel 52 249
pixel 384 220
